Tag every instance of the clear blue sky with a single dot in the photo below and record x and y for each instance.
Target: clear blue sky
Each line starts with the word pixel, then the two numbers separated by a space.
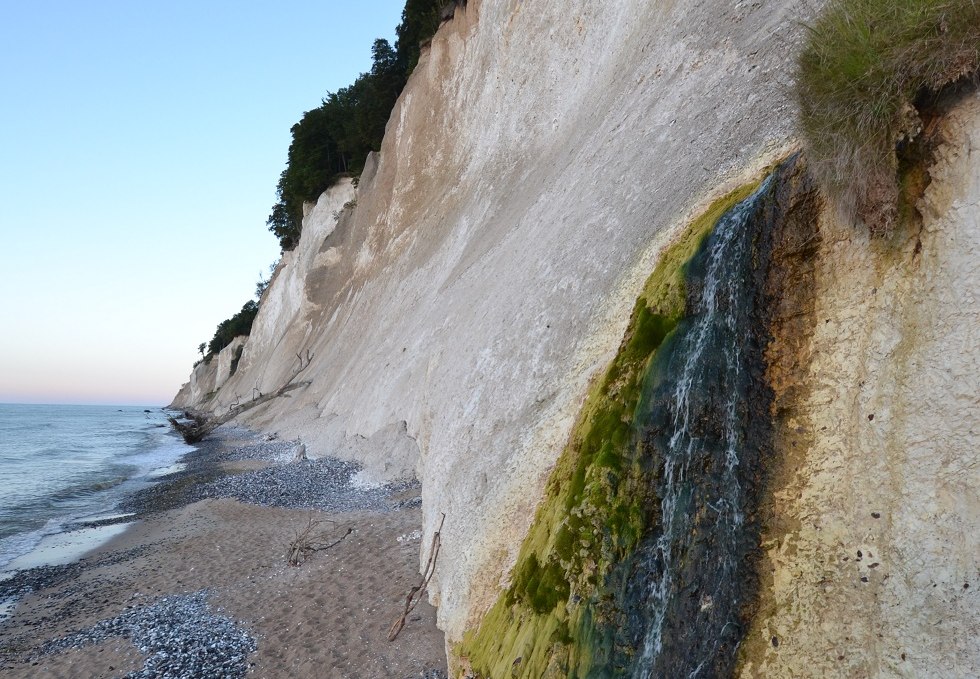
pixel 140 146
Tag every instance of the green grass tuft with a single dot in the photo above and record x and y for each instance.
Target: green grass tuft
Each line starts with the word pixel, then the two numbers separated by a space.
pixel 866 67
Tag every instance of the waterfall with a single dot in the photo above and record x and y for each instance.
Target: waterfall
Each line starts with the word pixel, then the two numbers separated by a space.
pixel 696 419
pixel 644 559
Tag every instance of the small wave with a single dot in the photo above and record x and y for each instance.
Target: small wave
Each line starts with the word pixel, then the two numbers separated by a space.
pixel 85 489
pixel 18 544
pixel 82 495
pixel 161 449
pixel 105 485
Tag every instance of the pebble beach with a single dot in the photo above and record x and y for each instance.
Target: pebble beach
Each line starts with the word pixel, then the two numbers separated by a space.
pixel 198 585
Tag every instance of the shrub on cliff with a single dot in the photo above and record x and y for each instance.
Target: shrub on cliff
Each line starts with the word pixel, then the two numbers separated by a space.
pixel 239 324
pixel 334 139
pixel 866 67
pixel 420 20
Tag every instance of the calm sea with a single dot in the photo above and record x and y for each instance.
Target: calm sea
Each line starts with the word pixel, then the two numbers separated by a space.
pixel 64 464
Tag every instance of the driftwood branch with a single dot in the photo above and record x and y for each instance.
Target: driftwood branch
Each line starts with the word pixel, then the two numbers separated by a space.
pixel 202 425
pixel 309 357
pixel 418 591
pixel 308 541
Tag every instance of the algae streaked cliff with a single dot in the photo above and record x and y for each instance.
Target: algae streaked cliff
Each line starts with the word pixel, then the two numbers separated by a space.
pixel 532 169
pixel 535 168
pixel 642 559
pixel 557 611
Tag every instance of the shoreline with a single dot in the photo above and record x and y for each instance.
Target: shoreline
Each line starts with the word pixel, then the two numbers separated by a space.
pixel 78 538
pixel 86 460
pixel 209 544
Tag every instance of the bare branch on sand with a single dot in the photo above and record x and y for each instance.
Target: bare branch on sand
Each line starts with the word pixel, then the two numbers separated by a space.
pixel 309 540
pixel 417 592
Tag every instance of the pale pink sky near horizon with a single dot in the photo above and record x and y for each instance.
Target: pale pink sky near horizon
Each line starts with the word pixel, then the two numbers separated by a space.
pixel 140 146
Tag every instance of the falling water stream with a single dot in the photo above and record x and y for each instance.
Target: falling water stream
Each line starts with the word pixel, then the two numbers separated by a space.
pixel 696 417
pixel 667 518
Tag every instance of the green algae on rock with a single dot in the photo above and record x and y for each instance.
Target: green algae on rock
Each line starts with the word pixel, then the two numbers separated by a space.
pixel 690 588
pixel 642 559
pixel 556 617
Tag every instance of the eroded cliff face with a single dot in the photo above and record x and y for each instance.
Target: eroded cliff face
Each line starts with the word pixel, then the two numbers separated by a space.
pixel 452 311
pixel 209 376
pixel 532 169
pixel 645 558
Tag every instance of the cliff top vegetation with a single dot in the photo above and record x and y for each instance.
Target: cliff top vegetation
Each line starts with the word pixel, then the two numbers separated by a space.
pixel 334 139
pixel 867 69
pixel 239 324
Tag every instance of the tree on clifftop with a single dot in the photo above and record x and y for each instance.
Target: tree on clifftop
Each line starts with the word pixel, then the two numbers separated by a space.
pixel 334 139
pixel 239 324
pixel 420 20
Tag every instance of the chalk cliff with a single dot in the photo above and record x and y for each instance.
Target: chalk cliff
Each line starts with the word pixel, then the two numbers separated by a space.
pixel 872 552
pixel 452 310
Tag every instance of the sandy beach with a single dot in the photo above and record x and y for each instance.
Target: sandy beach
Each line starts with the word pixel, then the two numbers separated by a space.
pixel 199 585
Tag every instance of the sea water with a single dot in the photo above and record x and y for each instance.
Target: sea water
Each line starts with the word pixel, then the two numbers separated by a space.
pixel 65 465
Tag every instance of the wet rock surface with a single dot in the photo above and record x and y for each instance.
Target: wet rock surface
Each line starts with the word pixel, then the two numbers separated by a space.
pixel 691 587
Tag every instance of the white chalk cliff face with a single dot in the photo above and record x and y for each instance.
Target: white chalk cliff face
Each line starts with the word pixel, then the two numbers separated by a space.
pixel 539 159
pixel 529 172
pixel 208 377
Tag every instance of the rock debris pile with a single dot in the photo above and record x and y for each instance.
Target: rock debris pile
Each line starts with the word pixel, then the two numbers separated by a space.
pixel 181 636
pixel 323 484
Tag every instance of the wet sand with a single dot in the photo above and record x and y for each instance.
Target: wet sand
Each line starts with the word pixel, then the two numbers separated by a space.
pixel 328 617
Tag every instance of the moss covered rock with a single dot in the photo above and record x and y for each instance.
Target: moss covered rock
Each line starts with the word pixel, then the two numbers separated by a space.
pixel 556 617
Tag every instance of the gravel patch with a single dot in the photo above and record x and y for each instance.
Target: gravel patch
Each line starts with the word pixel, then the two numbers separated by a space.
pixel 323 484
pixel 252 446
pixel 181 636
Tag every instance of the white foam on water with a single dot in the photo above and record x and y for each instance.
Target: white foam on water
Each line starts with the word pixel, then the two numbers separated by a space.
pixel 63 548
pixel 19 544
pixel 164 471
pixel 153 452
